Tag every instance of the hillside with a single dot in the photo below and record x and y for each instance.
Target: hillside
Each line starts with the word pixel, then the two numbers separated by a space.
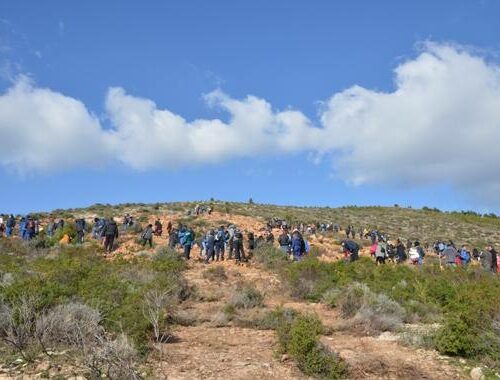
pixel 189 320
pixel 426 225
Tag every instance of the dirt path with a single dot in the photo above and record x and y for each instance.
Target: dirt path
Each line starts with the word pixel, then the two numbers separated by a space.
pixel 204 351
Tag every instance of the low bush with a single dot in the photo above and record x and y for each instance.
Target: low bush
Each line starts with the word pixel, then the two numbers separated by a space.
pixel 246 297
pixel 300 339
pixel 215 274
pixel 270 257
pixel 118 289
pixel 370 312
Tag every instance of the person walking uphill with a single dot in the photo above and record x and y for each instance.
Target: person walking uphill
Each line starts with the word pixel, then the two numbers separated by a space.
pixel 9 226
pixel 381 252
pixel 147 236
pixel 110 233
pixel 298 245
pixel 284 242
pixel 80 230
pixel 186 238
pixel 239 252
pixel 351 248
pixel 220 238
pixel 210 246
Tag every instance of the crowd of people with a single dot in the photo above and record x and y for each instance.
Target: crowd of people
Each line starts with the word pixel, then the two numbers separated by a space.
pixel 228 242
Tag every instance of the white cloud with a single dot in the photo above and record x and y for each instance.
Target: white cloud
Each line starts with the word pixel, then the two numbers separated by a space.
pixel 148 137
pixel 440 123
pixel 42 130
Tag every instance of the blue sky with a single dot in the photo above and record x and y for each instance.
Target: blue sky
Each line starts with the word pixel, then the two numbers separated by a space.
pixel 292 56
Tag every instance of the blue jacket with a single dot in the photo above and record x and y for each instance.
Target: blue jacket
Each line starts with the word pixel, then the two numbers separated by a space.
pixel 297 245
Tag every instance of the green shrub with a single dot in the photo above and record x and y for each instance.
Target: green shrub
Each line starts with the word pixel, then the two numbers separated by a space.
pixel 115 288
pixel 310 278
pixel 270 257
pixel 300 339
pixel 246 297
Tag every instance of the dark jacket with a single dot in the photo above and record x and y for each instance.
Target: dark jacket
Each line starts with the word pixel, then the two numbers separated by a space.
pixel 148 233
pixel 110 229
pixel 284 240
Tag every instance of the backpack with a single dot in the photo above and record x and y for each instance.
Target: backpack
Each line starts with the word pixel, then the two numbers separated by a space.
pixel 219 236
pixel 465 256
pixel 413 254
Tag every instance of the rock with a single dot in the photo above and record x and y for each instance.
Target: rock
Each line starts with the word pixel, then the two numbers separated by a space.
pixel 284 357
pixel 477 374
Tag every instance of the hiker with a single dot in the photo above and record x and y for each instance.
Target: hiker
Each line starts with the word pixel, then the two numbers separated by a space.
pixel 239 252
pixel 409 244
pixel 98 227
pixel 158 228
pixel 449 254
pixel 186 238
pixel 9 226
pixel 220 240
pixel 400 251
pixel 350 249
pixel 373 249
pixel 489 259
pixel 285 242
pixel 30 231
pixel 110 233
pixel 60 224
pixel 381 252
pixel 147 236
pixel 464 256
pixel 210 246
pixel 297 246
pixel 348 231
pixel 2 228
pixel 169 227
pixel 475 254
pixel 22 228
pixel 80 230
pixel 51 227
pixel 229 240
pixel 269 237
pixel 421 252
pixel 251 244
pixel 126 221
pixel 173 238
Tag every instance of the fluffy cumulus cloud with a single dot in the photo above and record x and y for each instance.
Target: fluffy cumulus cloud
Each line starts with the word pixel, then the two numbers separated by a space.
pixel 42 130
pixel 440 123
pixel 149 137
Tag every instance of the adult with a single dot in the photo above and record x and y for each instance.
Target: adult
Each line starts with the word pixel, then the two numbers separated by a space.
pixel 186 238
pixel 381 252
pixel 80 230
pixel 158 228
pixel 220 237
pixel 351 249
pixel 489 259
pixel 400 251
pixel 9 226
pixel 147 236
pixel 284 241
pixel 464 255
pixel 420 251
pixel 251 243
pixel 239 252
pixel 210 246
pixel 449 254
pixel 297 245
pixel 51 226
pixel 110 233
